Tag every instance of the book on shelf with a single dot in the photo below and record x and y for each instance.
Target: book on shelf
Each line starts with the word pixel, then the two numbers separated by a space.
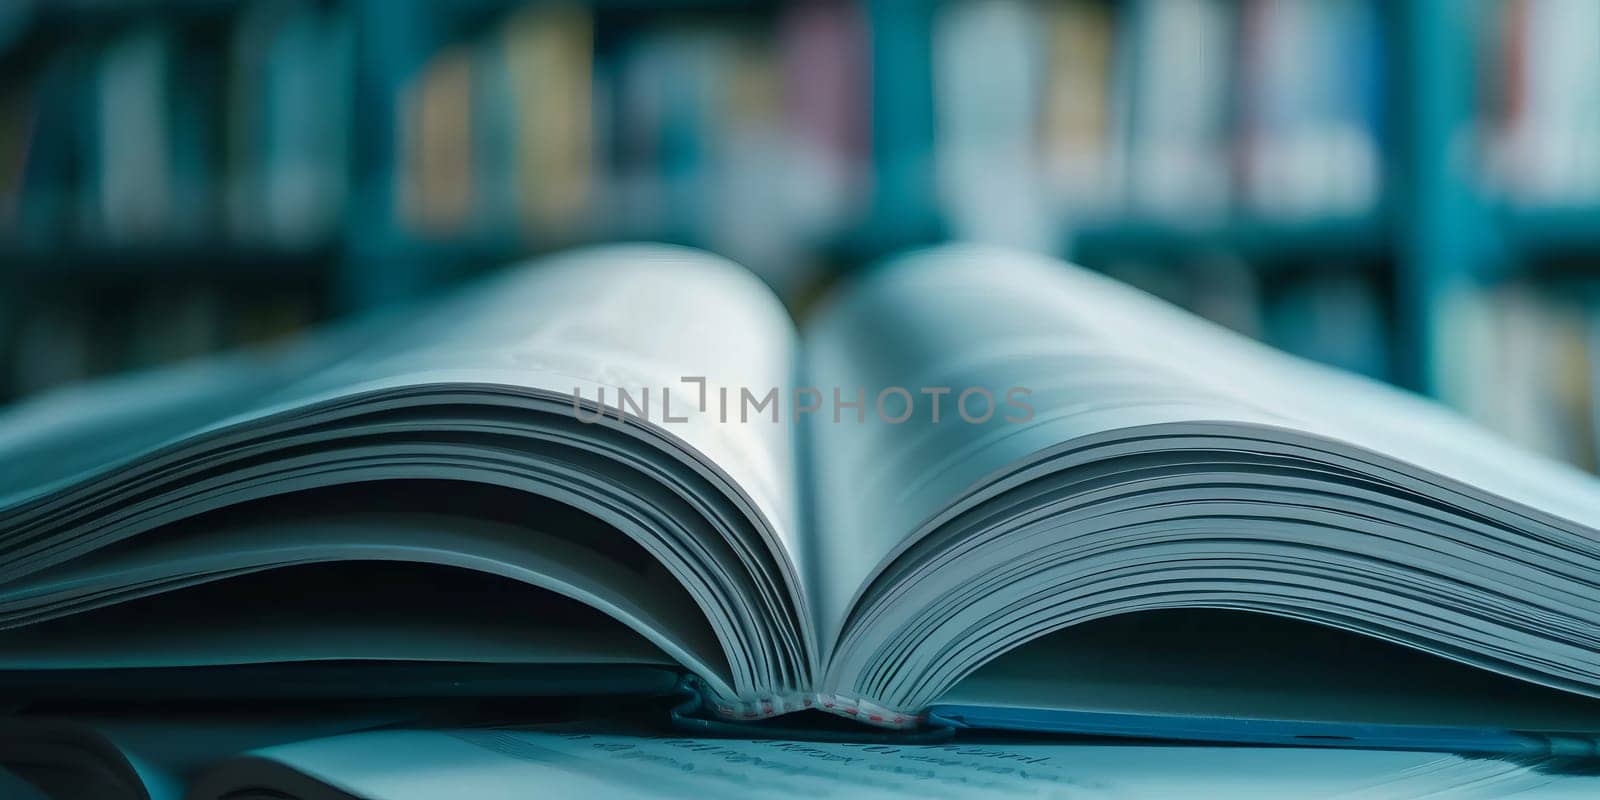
pixel 1177 111
pixel 172 132
pixel 1315 77
pixel 131 163
pixel 978 490
pixel 436 178
pixel 301 151
pixel 748 134
pixel 986 80
pixel 1076 111
pixel 1540 108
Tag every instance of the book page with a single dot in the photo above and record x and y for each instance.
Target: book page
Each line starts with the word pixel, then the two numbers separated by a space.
pixel 685 335
pixel 501 593
pixel 69 434
pixel 116 754
pixel 640 318
pixel 998 363
pixel 504 764
pixel 1047 354
pixel 610 379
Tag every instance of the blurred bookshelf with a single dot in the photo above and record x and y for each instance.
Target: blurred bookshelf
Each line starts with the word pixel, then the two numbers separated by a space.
pixel 1410 189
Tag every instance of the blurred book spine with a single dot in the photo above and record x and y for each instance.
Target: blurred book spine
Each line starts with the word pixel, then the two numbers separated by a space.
pixel 306 120
pixel 1540 116
pixel 1312 107
pixel 550 57
pixel 1076 137
pixel 1180 107
pixel 436 170
pixel 132 167
pixel 1184 112
pixel 987 78
pixel 174 131
pixel 1201 123
pixel 18 122
pixel 746 133
pixel 153 158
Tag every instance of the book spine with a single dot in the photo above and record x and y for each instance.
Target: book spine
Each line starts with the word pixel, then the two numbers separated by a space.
pixel 856 708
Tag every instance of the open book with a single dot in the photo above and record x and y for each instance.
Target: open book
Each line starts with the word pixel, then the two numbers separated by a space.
pixel 979 489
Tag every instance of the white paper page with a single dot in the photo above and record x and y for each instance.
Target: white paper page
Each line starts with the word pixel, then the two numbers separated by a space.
pixel 639 317
pixel 1093 356
pixel 636 317
pixel 648 601
pixel 642 319
pixel 938 326
pixel 156 758
pixel 65 434
pixel 1308 396
pixel 508 764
